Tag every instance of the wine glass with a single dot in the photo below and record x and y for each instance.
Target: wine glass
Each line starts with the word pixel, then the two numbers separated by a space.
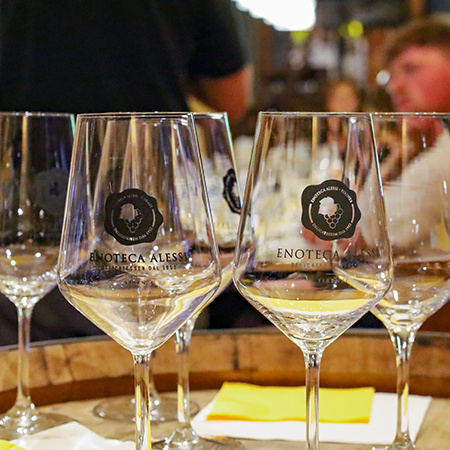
pixel 313 253
pixel 138 255
pixel 35 153
pixel 414 151
pixel 219 167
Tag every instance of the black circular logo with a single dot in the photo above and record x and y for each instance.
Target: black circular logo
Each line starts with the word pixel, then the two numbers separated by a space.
pixel 229 191
pixel 132 217
pixel 330 210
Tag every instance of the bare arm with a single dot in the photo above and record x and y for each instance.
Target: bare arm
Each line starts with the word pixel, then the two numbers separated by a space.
pixel 230 94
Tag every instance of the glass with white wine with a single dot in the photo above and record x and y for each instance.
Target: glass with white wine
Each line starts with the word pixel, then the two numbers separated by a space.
pixel 313 253
pixel 138 255
pixel 415 167
pixel 35 151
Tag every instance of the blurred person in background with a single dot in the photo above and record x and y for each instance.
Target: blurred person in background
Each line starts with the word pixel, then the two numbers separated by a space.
pixel 121 55
pixel 418 60
pixel 343 95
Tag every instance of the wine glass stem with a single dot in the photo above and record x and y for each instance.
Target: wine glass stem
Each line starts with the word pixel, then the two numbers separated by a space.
pixel 312 366
pixel 403 340
pixel 182 341
pixel 142 393
pixel 23 401
pixel 154 395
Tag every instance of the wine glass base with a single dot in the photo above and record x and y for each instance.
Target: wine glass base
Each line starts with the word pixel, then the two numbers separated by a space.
pixel 131 437
pixel 16 425
pixel 123 409
pixel 188 439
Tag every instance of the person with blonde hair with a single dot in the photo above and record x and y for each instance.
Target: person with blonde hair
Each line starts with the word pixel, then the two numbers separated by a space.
pixel 343 95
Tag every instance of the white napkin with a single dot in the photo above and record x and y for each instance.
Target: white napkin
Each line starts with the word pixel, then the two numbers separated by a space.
pixel 380 430
pixel 71 436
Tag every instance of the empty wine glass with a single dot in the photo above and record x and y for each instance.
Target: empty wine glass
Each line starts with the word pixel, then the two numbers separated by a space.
pixel 138 255
pixel 218 162
pixel 415 168
pixel 313 253
pixel 35 153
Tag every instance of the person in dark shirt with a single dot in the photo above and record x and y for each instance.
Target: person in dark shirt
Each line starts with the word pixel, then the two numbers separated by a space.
pixel 121 55
pixel 115 55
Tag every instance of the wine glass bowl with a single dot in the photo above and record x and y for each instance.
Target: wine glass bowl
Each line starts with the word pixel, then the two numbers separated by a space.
pixel 138 255
pixel 313 252
pixel 153 279
pixel 415 168
pixel 35 150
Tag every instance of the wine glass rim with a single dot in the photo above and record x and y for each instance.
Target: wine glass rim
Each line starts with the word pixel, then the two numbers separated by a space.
pixel 313 114
pixel 35 114
pixel 134 114
pixel 210 115
pixel 410 114
pixel 324 114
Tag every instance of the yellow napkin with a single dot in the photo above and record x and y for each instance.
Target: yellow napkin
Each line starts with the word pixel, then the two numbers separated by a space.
pixel 5 445
pixel 241 401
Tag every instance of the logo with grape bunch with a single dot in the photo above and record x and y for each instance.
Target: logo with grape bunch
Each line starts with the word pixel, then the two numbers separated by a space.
pixel 132 217
pixel 330 210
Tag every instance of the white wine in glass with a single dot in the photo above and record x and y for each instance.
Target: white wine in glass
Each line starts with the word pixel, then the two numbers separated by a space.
pixel 138 255
pixel 35 151
pixel 216 150
pixel 313 252
pixel 415 167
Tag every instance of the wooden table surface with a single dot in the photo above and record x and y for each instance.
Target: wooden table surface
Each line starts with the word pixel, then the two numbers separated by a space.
pixel 434 433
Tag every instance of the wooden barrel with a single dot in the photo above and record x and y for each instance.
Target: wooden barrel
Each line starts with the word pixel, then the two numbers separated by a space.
pixel 98 367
